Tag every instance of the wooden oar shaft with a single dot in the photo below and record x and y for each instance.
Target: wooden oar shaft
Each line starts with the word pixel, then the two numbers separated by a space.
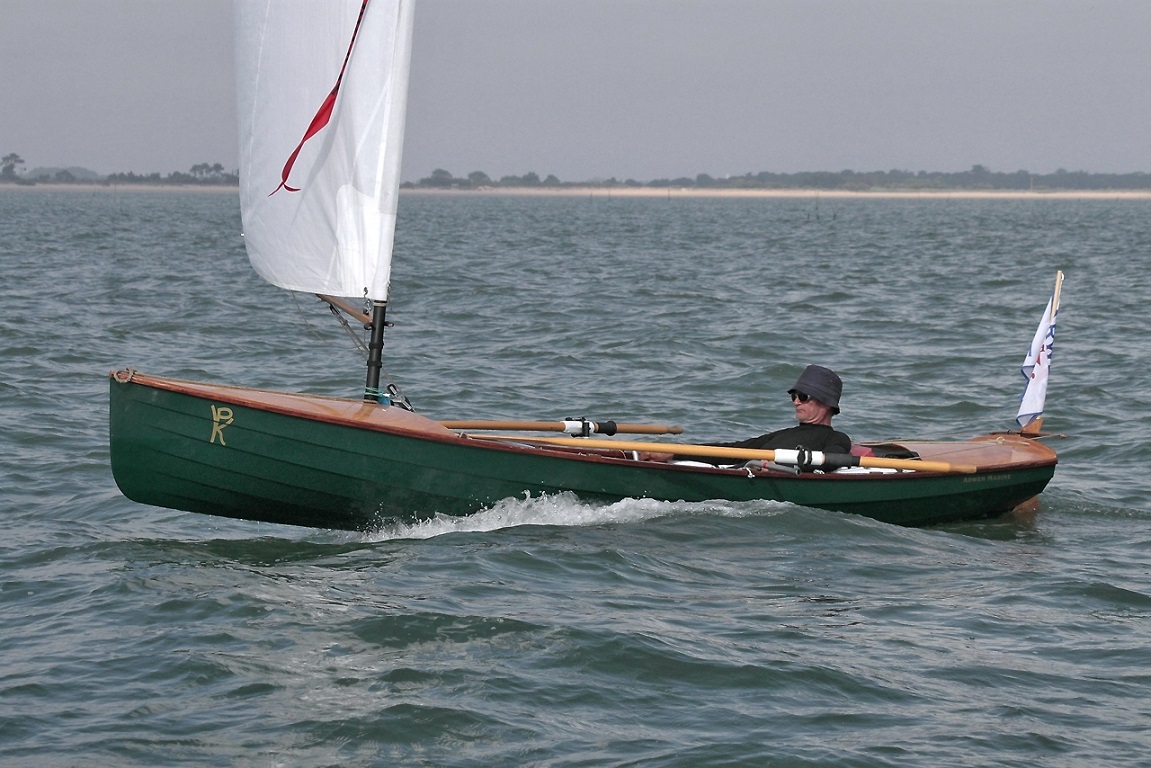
pixel 559 426
pixel 745 454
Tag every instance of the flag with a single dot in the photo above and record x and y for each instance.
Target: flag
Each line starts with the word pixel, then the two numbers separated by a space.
pixel 1037 365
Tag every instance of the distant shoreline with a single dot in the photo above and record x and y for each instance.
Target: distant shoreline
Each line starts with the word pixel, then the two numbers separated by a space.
pixel 649 192
pixel 688 192
pixel 47 186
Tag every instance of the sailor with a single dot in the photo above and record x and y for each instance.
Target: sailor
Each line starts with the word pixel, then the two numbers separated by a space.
pixel 816 399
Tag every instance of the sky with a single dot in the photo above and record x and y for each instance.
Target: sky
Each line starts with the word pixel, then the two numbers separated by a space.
pixel 625 89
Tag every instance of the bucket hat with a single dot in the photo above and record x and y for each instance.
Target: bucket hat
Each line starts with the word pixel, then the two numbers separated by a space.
pixel 821 383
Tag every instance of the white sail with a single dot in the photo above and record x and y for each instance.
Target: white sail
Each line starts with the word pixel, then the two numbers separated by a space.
pixel 1036 366
pixel 318 192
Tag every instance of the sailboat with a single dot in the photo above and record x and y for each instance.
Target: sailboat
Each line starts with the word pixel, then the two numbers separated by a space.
pixel 322 90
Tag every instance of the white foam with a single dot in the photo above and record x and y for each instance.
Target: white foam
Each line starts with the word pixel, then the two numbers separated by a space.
pixel 563 509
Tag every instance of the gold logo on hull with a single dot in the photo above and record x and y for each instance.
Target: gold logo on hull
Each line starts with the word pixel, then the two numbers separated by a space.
pixel 221 417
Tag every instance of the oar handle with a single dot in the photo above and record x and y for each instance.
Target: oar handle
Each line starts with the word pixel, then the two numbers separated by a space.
pixel 807 458
pixel 571 426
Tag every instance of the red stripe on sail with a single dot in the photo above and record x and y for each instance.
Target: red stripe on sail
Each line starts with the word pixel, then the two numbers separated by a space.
pixel 324 114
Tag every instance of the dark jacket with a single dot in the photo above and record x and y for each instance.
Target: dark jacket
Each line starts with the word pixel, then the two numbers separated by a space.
pixel 809 437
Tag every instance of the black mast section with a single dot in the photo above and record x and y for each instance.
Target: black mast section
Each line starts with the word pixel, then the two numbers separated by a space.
pixel 375 352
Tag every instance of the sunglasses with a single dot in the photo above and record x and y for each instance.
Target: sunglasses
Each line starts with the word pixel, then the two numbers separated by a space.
pixel 802 397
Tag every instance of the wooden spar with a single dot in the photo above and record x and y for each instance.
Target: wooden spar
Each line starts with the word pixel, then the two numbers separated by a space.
pixel 1034 428
pixel 745 454
pixel 347 308
pixel 565 426
pixel 1055 295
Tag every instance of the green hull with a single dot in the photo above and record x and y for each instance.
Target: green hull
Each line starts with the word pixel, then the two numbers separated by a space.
pixel 331 463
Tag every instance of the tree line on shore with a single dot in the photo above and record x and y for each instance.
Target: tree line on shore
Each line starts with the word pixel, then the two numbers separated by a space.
pixel 201 174
pixel 977 178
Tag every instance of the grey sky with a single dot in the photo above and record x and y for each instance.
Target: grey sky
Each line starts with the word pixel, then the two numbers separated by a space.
pixel 627 88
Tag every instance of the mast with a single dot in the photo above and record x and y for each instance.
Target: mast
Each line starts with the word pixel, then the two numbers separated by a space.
pixel 375 352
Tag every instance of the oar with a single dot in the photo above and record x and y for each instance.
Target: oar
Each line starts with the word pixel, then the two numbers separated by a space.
pixel 571 426
pixel 807 458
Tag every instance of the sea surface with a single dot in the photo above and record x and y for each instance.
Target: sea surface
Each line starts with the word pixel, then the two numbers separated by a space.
pixel 544 631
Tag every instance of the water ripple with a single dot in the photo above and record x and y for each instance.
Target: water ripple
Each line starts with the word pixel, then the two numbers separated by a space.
pixel 545 631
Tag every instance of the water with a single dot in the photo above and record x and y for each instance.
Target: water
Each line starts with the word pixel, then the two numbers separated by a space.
pixel 552 633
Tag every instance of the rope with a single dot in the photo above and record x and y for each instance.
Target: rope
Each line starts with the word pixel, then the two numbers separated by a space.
pixel 393 391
